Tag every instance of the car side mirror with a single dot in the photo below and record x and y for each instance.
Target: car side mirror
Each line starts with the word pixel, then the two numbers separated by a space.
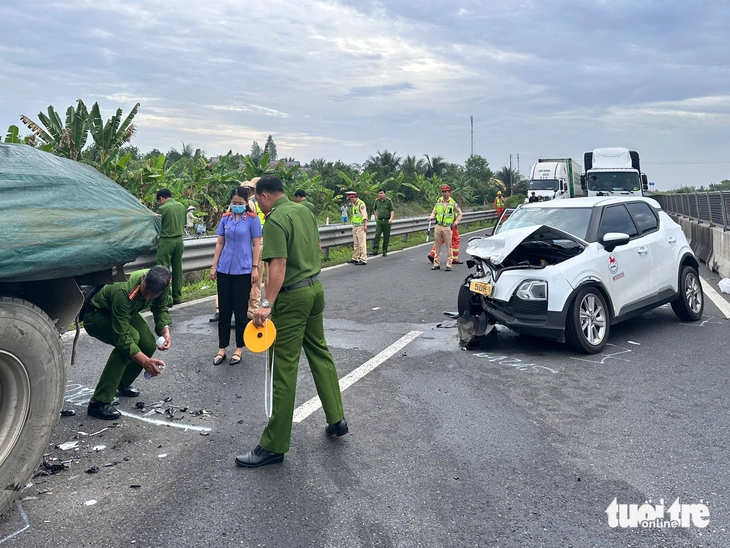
pixel 612 240
pixel 583 182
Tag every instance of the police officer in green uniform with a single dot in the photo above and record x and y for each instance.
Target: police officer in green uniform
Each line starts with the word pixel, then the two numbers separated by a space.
pixel 384 213
pixel 295 299
pixel 170 247
pixel 113 318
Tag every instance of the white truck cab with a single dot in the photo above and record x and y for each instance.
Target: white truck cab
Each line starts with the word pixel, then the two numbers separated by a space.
pixel 613 171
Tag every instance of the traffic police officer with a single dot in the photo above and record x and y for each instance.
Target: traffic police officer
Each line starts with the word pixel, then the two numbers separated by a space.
pixel 113 318
pixel 447 215
pixel 295 299
pixel 359 219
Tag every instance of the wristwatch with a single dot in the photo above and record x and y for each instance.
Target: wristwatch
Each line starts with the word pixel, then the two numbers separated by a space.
pixel 266 304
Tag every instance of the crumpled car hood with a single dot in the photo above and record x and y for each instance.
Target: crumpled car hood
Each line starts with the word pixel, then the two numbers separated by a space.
pixel 497 248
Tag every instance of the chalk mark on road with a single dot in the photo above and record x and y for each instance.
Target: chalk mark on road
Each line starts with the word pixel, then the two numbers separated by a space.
pixel 514 362
pixel 309 407
pixel 612 355
pixel 25 520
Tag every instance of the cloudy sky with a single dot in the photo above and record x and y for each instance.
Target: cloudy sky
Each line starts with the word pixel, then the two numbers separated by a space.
pixel 343 79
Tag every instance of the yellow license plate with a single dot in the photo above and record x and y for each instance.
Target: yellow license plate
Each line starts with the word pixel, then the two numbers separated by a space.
pixel 481 288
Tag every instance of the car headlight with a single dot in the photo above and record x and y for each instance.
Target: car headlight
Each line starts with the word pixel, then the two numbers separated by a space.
pixel 532 290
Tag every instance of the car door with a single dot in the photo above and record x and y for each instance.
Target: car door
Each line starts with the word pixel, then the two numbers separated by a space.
pixel 663 274
pixel 627 269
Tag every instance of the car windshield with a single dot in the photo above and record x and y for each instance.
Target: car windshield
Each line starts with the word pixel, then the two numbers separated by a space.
pixel 544 184
pixel 617 181
pixel 568 219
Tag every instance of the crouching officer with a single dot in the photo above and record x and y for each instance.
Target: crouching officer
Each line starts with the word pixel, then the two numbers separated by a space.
pixel 114 318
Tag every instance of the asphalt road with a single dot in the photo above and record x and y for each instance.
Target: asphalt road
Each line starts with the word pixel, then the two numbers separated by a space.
pixel 523 444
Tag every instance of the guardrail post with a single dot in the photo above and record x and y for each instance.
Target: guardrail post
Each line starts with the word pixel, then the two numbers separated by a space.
pixel 325 253
pixel 709 208
pixel 405 237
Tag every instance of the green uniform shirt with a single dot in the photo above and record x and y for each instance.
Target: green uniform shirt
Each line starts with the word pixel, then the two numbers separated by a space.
pixel 383 208
pixel 173 218
pixel 291 232
pixel 309 205
pixel 122 300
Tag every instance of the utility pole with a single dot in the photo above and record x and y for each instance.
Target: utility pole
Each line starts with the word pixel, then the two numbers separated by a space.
pixel 471 118
pixel 518 161
pixel 510 174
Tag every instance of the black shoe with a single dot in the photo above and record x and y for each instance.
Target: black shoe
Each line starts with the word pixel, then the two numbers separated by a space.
pixel 128 391
pixel 373 253
pixel 385 253
pixel 456 262
pixel 430 258
pixel 352 261
pixel 176 302
pixel 104 411
pixel 338 429
pixel 447 269
pixel 360 263
pixel 216 317
pixel 259 457
pixel 435 268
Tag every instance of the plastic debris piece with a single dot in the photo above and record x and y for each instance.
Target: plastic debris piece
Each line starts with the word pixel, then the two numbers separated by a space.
pixel 80 433
pixel 68 413
pixel 99 432
pixel 113 463
pixel 91 502
pixel 68 445
pixel 135 486
pixel 376 308
pixel 452 315
pixel 162 456
pixel 139 405
pixel 92 470
pixel 157 405
pixel 167 399
pixel 724 285
pixel 204 433
pixel 148 413
pixel 98 448
pixel 447 323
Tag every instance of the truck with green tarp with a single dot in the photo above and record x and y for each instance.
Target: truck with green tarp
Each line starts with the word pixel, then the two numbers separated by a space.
pixel 64 226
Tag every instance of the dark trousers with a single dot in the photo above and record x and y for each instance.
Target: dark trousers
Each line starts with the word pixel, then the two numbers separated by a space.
pixel 381 227
pixel 233 293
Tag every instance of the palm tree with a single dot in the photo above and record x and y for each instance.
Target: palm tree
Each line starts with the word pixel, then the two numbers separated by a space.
pixel 435 166
pixel 411 167
pixel 384 164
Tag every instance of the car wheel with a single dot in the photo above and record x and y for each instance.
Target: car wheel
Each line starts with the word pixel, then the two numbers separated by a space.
pixel 32 384
pixel 589 323
pixel 464 302
pixel 690 303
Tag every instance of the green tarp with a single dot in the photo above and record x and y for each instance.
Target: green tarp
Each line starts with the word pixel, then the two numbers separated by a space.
pixel 60 218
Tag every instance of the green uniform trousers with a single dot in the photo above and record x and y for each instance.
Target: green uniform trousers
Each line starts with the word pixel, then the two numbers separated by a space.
pixel 169 253
pixel 381 226
pixel 120 370
pixel 297 315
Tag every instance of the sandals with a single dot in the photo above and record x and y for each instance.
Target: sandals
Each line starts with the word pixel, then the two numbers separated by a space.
pixel 236 358
pixel 219 358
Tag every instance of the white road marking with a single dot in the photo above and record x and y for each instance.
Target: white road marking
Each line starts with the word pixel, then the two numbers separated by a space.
pixel 716 298
pixel 309 407
pixel 25 520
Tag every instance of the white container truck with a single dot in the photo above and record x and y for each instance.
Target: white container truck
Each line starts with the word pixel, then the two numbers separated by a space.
pixel 555 179
pixel 613 172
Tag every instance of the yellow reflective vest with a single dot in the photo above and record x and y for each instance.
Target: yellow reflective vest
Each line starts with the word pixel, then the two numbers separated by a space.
pixel 445 211
pixel 356 212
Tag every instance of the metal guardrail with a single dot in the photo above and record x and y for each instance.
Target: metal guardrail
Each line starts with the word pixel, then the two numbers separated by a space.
pixel 709 207
pixel 198 254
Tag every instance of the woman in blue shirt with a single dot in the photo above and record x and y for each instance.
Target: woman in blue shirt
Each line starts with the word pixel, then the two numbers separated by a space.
pixel 235 266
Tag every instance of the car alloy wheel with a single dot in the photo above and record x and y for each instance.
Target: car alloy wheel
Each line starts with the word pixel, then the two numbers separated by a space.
pixel 589 322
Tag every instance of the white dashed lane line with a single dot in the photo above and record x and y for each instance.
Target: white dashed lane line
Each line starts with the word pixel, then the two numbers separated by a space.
pixel 716 298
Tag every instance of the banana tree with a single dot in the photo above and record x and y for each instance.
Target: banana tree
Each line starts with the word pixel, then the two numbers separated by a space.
pixel 13 135
pixel 110 136
pixel 65 139
pixel 397 184
pixel 362 184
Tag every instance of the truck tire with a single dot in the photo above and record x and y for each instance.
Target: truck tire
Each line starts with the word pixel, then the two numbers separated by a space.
pixel 32 384
pixel 690 303
pixel 588 323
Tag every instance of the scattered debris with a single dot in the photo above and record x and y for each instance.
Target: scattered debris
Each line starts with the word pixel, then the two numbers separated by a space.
pixel 127 459
pixel 724 285
pixel 91 502
pixel 447 324
pixel 240 422
pixel 376 308
pixel 204 433
pixel 98 448
pixel 92 470
pixel 167 399
pixel 68 445
pixel 135 486
pixel 162 456
pixel 113 463
pixel 139 405
pixel 68 413
pixel 200 412
pixel 99 432
pixel 46 468
pixel 632 342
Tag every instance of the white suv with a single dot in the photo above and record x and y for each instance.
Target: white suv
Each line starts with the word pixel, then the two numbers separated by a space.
pixel 569 269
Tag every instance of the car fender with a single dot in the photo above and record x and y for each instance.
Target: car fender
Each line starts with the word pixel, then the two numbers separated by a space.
pixel 590 282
